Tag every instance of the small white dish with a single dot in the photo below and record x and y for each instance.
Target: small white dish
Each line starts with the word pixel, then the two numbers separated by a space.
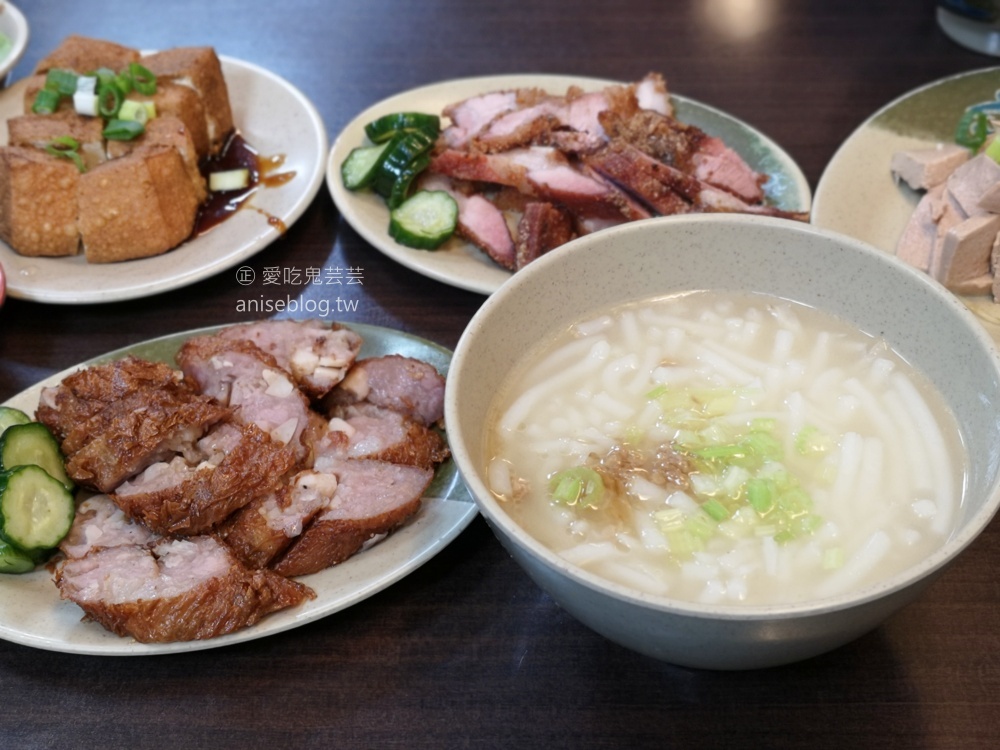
pixel 277 120
pixel 460 263
pixel 32 614
pixel 857 195
pixel 13 26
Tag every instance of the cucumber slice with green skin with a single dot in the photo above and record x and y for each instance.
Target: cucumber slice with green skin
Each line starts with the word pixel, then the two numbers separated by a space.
pixel 361 166
pixel 36 511
pixel 405 152
pixel 387 126
pixel 13 560
pixel 10 416
pixel 425 220
pixel 33 444
pixel 401 187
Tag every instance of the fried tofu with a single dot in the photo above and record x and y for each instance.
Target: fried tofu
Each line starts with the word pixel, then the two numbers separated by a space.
pixel 38 202
pixel 38 131
pixel 167 131
pixel 184 103
pixel 136 206
pixel 200 69
pixel 83 54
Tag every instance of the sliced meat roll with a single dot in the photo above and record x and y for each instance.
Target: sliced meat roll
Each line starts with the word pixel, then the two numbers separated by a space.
pixel 410 386
pixel 373 498
pixel 176 590
pixel 316 355
pixel 267 527
pixel 239 374
pixel 364 430
pixel 183 498
pixel 100 523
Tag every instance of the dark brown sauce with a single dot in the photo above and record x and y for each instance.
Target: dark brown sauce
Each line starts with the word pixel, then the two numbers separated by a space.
pixel 264 173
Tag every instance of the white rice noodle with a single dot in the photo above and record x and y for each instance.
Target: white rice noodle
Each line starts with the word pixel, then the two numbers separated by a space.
pixel 858 566
pixel 936 452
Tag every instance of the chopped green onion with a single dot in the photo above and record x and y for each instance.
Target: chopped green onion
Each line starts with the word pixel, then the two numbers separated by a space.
pixel 63 82
pixel 759 496
pixel 992 149
pixel 109 100
pixel 833 558
pixel 811 441
pixel 66 148
pixel 579 486
pixel 85 103
pixel 133 110
pixel 142 79
pixel 715 509
pixel 46 102
pixel 123 130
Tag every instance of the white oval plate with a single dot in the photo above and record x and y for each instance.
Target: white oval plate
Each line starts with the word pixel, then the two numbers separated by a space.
pixel 276 119
pixel 460 263
pixel 857 195
pixel 14 26
pixel 32 614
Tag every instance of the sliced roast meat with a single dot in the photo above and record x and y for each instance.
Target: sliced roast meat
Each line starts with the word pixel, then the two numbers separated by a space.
pixel 373 498
pixel 100 523
pixel 239 374
pixel 87 392
pixel 543 227
pixel 262 530
pixel 316 355
pixel 176 590
pixel 407 385
pixel 180 498
pixel 364 430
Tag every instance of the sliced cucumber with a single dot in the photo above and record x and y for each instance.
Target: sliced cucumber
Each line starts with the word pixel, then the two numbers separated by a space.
pixel 33 443
pixel 11 416
pixel 425 220
pixel 387 126
pixel 36 511
pixel 13 560
pixel 361 165
pixel 405 155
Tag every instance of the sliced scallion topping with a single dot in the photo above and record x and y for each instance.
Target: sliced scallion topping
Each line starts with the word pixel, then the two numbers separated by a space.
pixel 580 486
pixel 61 81
pixel 66 147
pixel 142 79
pixel 123 130
pixel 46 102
pixel 109 100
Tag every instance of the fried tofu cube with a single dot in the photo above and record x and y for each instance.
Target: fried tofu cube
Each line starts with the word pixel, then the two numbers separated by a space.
pixel 200 69
pixel 38 131
pixel 136 206
pixel 38 202
pixel 167 131
pixel 184 103
pixel 83 54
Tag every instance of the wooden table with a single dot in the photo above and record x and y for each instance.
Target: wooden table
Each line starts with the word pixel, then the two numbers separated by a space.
pixel 466 651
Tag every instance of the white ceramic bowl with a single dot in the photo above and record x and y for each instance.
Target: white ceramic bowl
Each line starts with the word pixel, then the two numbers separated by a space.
pixel 14 26
pixel 729 252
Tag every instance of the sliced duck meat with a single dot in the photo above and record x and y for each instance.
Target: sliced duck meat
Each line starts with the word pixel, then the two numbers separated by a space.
pixel 364 430
pixel 470 116
pixel 543 226
pixel 480 221
pixel 410 386
pixel 100 523
pixel 182 498
pixel 239 374
pixel 262 530
pixel 175 590
pixel 315 354
pixel 373 498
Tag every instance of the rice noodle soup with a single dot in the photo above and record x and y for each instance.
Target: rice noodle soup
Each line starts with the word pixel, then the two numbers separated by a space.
pixel 726 449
